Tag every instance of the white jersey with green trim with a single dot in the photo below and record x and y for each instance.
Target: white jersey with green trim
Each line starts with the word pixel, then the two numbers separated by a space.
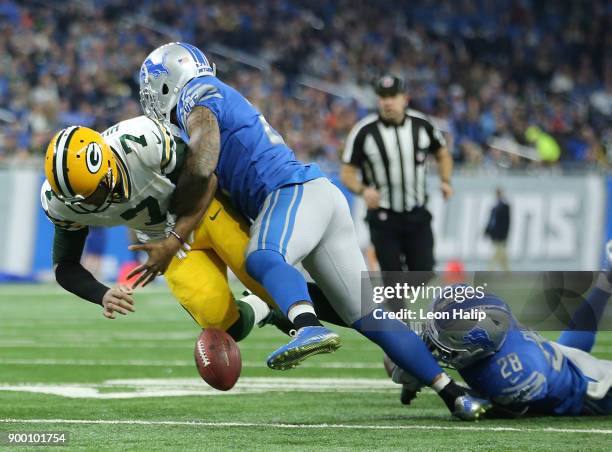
pixel 146 157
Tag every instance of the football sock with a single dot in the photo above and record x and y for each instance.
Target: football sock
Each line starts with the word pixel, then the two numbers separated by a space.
pixel 283 282
pixel 441 383
pixel 260 307
pixel 584 324
pixel 449 394
pixel 306 319
pixel 402 345
pixel 245 323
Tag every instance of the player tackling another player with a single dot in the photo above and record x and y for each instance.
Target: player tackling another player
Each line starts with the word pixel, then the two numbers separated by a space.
pixel 297 214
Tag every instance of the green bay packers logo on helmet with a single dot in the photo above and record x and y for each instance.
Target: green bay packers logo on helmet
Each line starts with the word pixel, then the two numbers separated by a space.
pixel 94 157
pixel 82 169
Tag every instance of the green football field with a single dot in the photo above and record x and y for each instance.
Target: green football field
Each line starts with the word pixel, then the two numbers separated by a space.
pixel 131 384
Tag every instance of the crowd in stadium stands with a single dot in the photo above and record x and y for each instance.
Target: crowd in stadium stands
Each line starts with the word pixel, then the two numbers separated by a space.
pixel 536 73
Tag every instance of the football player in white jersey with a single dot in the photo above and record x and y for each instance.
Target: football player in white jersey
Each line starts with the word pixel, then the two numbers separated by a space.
pixel 126 176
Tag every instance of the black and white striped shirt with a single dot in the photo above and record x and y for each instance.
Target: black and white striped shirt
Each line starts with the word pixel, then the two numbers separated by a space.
pixel 392 157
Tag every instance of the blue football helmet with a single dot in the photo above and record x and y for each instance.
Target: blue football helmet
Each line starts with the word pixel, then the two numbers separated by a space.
pixel 165 72
pixel 460 341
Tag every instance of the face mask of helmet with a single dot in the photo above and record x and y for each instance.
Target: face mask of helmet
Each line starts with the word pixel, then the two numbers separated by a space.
pixel 100 200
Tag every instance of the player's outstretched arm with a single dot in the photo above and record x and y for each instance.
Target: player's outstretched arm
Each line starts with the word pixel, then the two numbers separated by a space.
pixel 73 277
pixel 194 192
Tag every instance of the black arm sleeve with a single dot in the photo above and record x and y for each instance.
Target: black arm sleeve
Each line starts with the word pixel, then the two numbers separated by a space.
pixel 69 273
pixel 68 245
pixel 76 279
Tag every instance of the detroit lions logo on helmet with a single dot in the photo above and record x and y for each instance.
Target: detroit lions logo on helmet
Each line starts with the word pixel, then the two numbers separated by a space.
pixel 479 336
pixel 155 69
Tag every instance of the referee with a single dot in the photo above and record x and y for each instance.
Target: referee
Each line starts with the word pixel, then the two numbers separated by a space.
pixel 384 161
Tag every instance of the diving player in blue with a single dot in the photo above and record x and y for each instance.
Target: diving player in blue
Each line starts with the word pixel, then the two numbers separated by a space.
pixel 516 368
pixel 298 216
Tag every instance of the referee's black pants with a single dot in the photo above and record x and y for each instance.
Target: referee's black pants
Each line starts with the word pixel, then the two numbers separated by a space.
pixel 403 242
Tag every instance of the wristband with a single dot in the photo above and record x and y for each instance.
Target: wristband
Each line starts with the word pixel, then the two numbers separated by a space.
pixel 178 237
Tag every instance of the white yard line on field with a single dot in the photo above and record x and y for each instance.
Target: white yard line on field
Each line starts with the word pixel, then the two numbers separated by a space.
pixel 472 428
pixel 173 363
pixel 96 343
pixel 93 335
pixel 174 387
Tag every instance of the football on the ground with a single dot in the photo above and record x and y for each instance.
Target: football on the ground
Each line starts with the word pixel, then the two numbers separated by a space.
pixel 218 359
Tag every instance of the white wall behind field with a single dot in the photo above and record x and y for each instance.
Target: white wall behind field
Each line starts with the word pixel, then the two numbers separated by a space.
pixel 557 221
pixel 19 204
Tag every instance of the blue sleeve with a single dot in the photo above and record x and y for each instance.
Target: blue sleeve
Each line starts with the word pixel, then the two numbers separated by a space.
pixel 515 376
pixel 203 92
pixel 541 364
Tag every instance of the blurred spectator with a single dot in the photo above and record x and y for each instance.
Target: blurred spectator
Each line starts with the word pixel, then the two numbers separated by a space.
pixel 546 146
pixel 484 68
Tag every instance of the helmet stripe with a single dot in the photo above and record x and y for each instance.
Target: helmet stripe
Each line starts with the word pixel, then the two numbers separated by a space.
pixel 125 175
pixel 61 163
pixel 54 165
pixel 196 53
pixel 65 163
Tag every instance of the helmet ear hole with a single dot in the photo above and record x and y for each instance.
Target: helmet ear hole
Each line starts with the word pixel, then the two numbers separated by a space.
pixel 165 89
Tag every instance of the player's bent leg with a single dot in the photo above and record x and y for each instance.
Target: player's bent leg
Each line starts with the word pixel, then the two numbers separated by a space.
pixel 283 282
pixel 227 233
pixel 199 282
pixel 584 324
pixel 228 236
pixel 409 352
pixel 282 234
pixel 337 266
pixel 246 320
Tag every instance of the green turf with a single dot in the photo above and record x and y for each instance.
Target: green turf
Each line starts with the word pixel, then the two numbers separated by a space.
pixel 49 337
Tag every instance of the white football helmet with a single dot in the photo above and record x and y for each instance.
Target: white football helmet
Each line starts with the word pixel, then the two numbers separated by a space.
pixel 165 72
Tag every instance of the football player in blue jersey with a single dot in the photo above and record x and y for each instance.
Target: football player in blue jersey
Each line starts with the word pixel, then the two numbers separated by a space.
pixel 297 216
pixel 516 368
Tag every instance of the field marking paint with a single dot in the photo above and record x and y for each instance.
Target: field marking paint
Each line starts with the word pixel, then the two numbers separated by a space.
pixel 173 363
pixel 174 387
pixel 95 335
pixel 471 428
pixel 80 343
